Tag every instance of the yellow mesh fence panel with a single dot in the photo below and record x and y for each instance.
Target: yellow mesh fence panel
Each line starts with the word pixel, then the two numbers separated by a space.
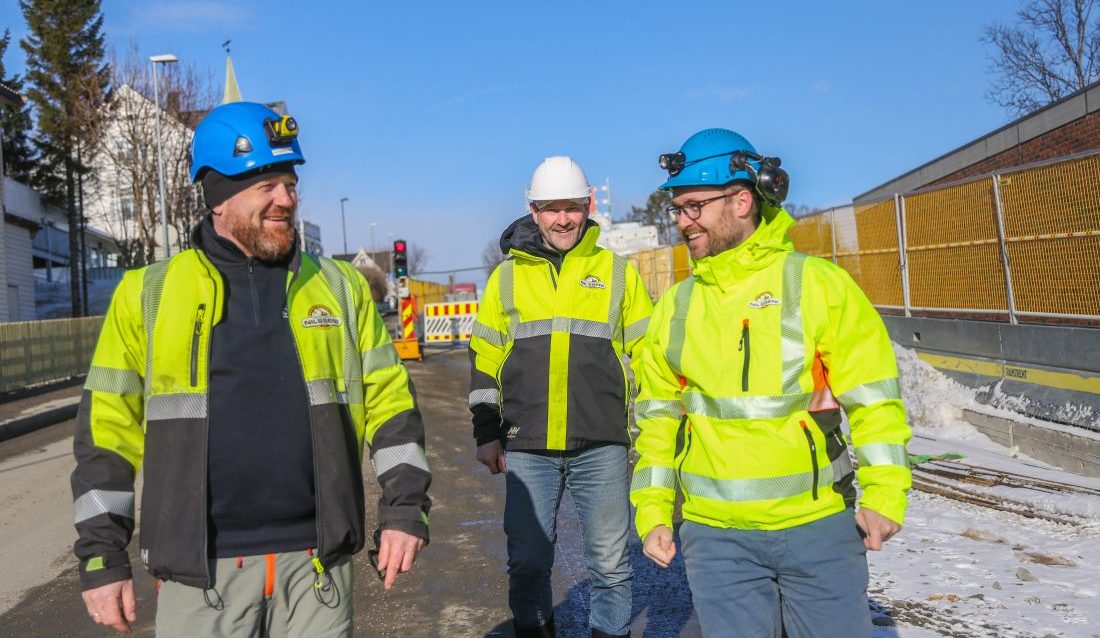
pixel 681 267
pixel 867 247
pixel 813 235
pixel 1052 231
pixel 954 255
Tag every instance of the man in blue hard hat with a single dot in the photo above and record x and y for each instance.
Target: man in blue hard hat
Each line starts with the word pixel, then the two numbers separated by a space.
pixel 744 371
pixel 245 376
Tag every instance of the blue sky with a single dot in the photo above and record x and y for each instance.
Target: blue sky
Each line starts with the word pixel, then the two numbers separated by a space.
pixel 430 116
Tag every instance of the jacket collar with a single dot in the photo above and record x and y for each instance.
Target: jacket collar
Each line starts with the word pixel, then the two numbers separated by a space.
pixel 522 239
pixel 220 250
pixel 762 248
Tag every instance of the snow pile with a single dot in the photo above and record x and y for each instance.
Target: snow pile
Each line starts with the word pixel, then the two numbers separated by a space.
pixel 933 403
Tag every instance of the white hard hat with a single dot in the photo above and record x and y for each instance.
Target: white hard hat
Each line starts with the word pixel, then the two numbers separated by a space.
pixel 558 177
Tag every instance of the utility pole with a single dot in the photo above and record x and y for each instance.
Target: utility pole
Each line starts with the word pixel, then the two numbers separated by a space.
pixel 343 224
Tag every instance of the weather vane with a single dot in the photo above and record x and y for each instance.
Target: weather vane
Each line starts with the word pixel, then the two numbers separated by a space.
pixel 225 45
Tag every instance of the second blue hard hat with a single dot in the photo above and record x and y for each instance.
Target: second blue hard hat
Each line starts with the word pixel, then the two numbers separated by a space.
pixel 704 160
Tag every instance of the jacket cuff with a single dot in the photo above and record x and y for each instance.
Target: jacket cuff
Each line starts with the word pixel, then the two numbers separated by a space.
pixel 487 425
pixel 891 503
pixel 405 519
pixel 104 569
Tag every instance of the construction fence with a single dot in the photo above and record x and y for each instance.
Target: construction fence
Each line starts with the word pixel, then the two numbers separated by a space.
pixel 36 352
pixel 1022 244
pixel 1018 245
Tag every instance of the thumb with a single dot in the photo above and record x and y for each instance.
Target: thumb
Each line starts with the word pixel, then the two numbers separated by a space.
pixel 129 602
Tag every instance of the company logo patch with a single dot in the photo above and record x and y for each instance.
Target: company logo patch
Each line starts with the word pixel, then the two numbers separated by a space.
pixel 513 432
pixel 592 281
pixel 764 300
pixel 320 317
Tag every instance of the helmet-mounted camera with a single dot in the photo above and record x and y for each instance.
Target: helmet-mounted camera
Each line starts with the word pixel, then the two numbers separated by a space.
pixel 282 130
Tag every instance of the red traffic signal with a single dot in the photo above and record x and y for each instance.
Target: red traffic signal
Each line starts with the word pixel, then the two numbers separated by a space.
pixel 400 258
pixel 399 246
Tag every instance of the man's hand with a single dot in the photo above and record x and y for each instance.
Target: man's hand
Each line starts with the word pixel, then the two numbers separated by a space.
pixel 113 605
pixel 659 546
pixel 491 455
pixel 397 552
pixel 877 528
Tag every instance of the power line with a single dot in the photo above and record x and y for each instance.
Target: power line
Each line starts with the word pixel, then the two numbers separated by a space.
pixel 446 272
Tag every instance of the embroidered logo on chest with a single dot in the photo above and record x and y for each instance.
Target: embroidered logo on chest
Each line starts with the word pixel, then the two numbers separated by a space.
pixel 320 317
pixel 592 281
pixel 763 300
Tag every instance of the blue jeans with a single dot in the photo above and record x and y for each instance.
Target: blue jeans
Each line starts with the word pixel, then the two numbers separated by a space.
pixel 598 479
pixel 810 580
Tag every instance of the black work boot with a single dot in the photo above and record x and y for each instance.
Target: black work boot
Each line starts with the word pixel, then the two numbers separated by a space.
pixel 542 631
pixel 596 633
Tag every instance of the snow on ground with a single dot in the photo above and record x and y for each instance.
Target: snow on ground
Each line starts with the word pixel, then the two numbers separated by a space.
pixel 958 569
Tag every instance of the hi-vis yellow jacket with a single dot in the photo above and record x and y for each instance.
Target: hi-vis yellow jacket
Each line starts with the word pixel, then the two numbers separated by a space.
pixel 748 355
pixel 145 402
pixel 547 346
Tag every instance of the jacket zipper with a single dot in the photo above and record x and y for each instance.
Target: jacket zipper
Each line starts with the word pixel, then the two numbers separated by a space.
pixel 195 344
pixel 744 345
pixel 553 276
pixel 255 296
pixel 216 278
pixel 813 454
pixel 686 426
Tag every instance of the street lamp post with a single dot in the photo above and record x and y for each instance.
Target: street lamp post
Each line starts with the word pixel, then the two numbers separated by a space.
pixel 343 224
pixel 166 58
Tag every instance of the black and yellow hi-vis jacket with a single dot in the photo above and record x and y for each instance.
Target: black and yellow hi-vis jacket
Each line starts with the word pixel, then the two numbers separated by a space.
pixel 547 346
pixel 145 405
pixel 743 373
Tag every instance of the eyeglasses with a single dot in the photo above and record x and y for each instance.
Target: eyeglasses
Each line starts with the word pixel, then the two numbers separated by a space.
pixel 694 209
pixel 372 554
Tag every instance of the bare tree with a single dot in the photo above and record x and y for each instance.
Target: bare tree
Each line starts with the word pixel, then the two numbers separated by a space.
pixel 418 258
pixel 377 280
pixel 1052 52
pixel 491 256
pixel 128 198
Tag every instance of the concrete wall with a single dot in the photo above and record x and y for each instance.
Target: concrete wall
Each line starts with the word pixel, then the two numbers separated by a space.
pixel 1077 453
pixel 1046 372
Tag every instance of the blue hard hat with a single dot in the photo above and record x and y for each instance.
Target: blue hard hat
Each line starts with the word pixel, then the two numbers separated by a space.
pixel 239 137
pixel 704 160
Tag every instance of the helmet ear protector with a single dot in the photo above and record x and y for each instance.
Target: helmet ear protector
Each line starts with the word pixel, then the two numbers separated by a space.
pixel 771 182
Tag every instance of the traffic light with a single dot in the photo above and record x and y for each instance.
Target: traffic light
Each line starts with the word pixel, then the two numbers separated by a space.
pixel 400 259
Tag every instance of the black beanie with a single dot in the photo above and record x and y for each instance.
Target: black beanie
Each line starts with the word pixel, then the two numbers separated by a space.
pixel 216 188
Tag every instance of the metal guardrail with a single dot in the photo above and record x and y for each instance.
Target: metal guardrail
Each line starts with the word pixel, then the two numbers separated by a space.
pixel 35 352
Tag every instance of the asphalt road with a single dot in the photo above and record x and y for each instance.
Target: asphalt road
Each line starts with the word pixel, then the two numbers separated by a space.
pixel 457 588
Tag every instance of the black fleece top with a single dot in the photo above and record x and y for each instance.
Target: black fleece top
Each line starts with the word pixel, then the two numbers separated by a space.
pixel 260 449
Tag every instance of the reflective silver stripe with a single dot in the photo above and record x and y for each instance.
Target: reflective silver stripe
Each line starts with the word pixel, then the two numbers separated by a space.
pixel 870 394
pixel 485 333
pixel 794 351
pixel 677 329
pixel 379 357
pixel 636 330
pixel 543 327
pixel 113 380
pixel 506 283
pixel 765 489
pixel 490 396
pixel 176 406
pixel 842 466
pixel 582 327
pixel 653 477
pixel 387 458
pixel 656 409
pixel 96 502
pixel 323 392
pixel 748 407
pixel 151 287
pixel 353 360
pixel 882 454
pixel 618 292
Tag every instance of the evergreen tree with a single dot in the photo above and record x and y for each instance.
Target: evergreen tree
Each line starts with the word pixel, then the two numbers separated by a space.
pixel 68 81
pixel 15 123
